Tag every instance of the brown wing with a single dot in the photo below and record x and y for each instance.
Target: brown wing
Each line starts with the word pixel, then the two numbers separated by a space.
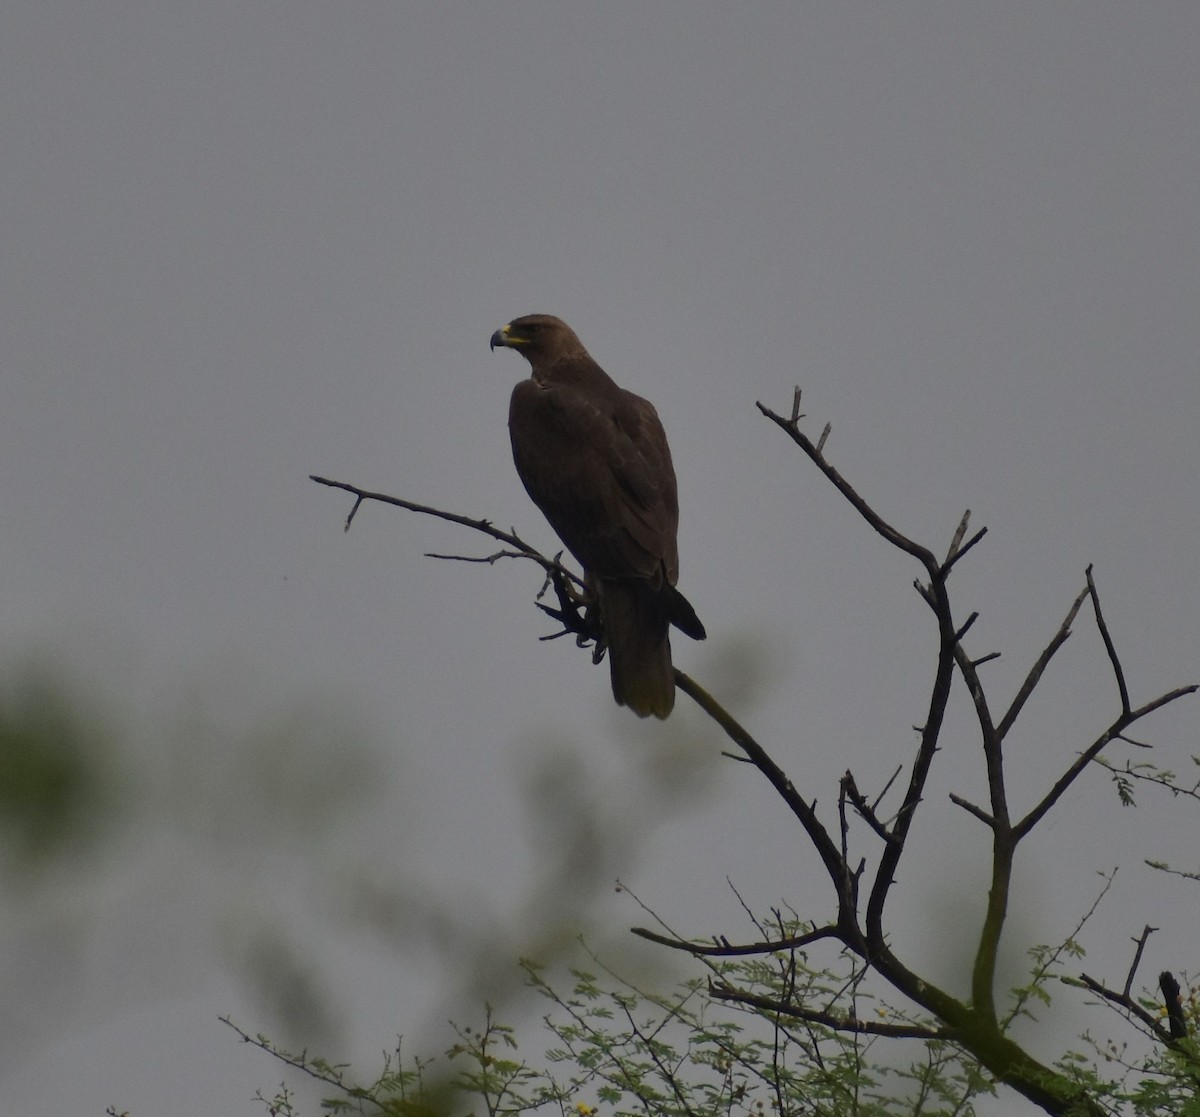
pixel 596 463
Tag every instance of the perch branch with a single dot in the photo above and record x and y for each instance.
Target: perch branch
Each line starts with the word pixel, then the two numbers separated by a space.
pixel 513 540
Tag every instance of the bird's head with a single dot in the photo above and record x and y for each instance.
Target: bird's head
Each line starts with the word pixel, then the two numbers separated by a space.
pixel 540 338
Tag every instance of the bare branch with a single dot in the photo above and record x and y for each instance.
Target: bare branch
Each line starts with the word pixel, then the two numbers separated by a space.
pixel 971 808
pixel 484 526
pixel 1108 643
pixel 983 974
pixel 724 949
pixel 865 810
pixel 843 486
pixel 1147 931
pixel 1163 867
pixel 1092 751
pixel 959 534
pixel 826 1019
pixel 1131 741
pixel 797 415
pixel 490 560
pixel 957 548
pixel 965 627
pixel 1035 674
pixel 930 734
pixel 835 864
pixel 887 787
pixel 992 743
pixel 935 594
pixel 1129 1005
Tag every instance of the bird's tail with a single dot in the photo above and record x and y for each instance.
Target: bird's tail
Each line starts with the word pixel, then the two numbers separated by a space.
pixel 680 612
pixel 639 652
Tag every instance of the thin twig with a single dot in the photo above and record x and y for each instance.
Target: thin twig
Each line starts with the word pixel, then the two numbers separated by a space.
pixel 865 810
pixel 1035 674
pixel 1048 961
pixel 1092 751
pixel 847 490
pixel 1108 643
pixel 485 526
pixel 887 787
pixel 966 547
pixel 330 1074
pixel 490 560
pixel 1147 931
pixel 971 808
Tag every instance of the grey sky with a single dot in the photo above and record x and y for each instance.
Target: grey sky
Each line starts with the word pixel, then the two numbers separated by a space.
pixel 246 243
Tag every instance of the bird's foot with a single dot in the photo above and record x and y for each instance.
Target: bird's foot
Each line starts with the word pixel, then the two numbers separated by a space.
pixel 576 613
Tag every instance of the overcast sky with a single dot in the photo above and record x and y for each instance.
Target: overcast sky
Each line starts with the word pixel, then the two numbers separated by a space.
pixel 243 243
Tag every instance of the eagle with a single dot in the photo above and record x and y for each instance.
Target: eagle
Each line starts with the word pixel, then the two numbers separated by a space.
pixel 594 459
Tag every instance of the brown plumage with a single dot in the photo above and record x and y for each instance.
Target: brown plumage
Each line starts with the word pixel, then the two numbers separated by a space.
pixel 594 459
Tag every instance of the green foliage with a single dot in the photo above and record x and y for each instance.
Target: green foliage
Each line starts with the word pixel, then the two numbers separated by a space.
pixel 619 1051
pixel 683 1054
pixel 615 1049
pixel 52 772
